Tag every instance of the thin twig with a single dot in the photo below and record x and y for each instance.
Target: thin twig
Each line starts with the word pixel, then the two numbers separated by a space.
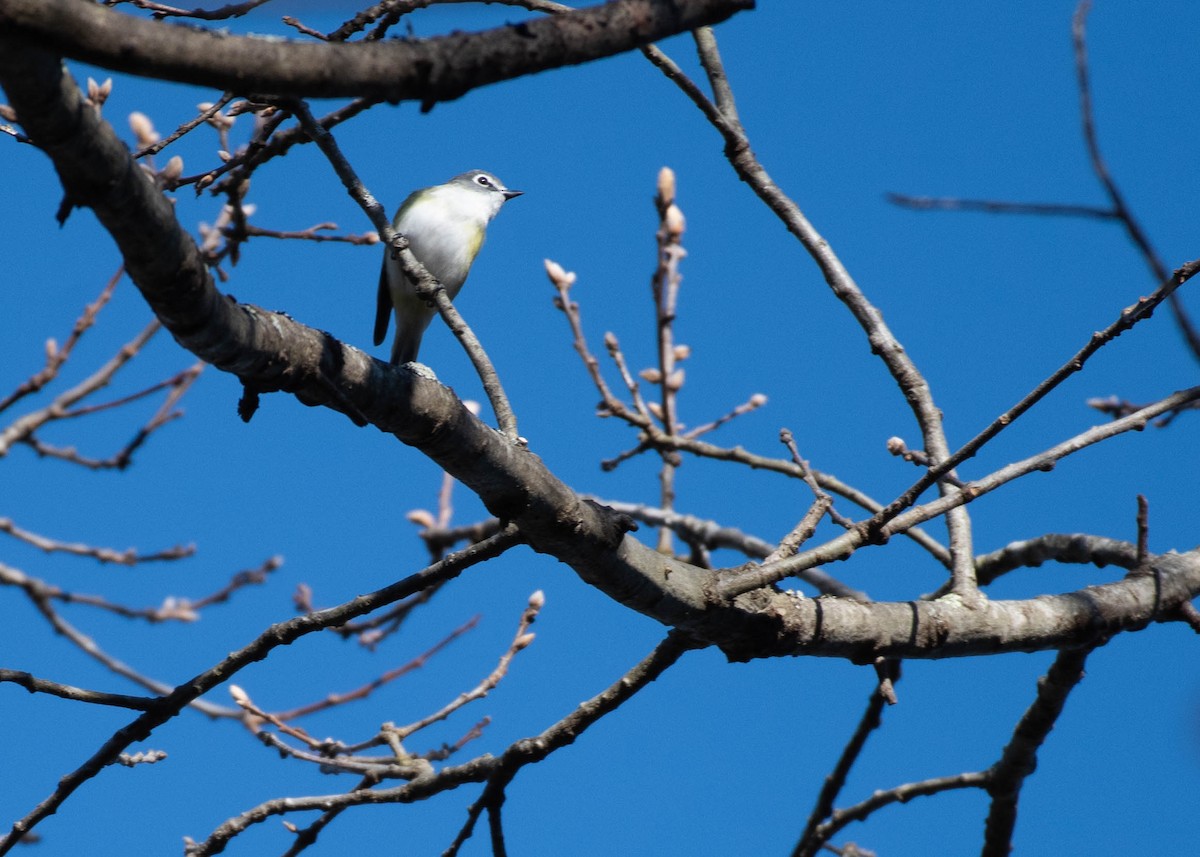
pixel 521 640
pixel 1128 317
pixel 567 730
pixel 203 116
pixel 128 557
pixel 883 342
pixel 1019 758
pixel 335 699
pixel 844 545
pixel 33 684
pixel 900 794
pixel 1143 529
pixel 995 206
pixel 282 633
pixel 871 720
pixel 57 355
pixel 231 10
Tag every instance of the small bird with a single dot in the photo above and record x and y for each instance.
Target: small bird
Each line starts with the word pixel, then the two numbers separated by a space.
pixel 445 226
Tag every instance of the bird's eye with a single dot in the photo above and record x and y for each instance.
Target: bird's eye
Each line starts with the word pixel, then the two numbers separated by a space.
pixel 483 180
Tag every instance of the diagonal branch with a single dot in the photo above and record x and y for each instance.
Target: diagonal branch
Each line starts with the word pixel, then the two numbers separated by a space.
pixel 272 352
pixel 883 341
pixel 280 634
pixel 1019 759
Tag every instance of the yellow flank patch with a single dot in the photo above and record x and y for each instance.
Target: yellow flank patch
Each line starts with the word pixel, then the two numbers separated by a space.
pixel 473 246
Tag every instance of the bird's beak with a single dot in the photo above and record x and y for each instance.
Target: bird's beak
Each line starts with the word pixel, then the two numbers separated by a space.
pixel 509 194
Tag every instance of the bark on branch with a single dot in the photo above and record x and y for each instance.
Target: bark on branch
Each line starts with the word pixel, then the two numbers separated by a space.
pixel 271 352
pixel 430 71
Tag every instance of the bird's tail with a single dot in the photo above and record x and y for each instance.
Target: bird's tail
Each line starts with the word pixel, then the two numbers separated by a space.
pixel 406 344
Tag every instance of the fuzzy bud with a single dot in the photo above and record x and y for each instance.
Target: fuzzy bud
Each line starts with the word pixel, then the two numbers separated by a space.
pixel 610 341
pixel 173 170
pixel 675 381
pixel 655 409
pixel 650 375
pixel 522 641
pixel 143 129
pixel 561 278
pixel 7 113
pixel 896 445
pixel 422 518
pixel 537 600
pixel 239 695
pixel 674 222
pixel 472 406
pixel 758 400
pixel 682 352
pixel 666 186
pixel 98 92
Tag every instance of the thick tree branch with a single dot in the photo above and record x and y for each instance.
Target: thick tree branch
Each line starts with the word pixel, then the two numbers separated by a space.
pixel 273 352
pixel 428 70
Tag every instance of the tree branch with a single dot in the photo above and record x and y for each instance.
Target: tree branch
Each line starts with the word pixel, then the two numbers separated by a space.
pixel 427 70
pixel 280 634
pixel 273 352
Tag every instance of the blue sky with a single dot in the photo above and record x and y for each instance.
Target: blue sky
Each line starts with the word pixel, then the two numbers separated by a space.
pixel 843 103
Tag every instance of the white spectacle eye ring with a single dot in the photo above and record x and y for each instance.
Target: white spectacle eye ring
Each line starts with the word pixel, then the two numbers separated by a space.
pixel 482 180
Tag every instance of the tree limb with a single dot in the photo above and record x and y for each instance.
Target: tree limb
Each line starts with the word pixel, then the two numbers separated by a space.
pixel 427 70
pixel 748 620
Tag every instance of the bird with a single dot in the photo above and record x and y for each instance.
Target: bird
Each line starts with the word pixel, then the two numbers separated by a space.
pixel 445 226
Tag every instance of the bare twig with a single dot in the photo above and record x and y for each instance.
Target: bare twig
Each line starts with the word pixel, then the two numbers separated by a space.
pixel 42 594
pixel 665 288
pixel 714 536
pixel 1121 209
pixel 203 116
pixel 995 206
pixel 129 556
pixel 366 690
pixel 484 768
pixel 1019 759
pixel 520 640
pixel 883 342
pixel 33 684
pixel 842 546
pixel 312 233
pixel 57 355
pixel 230 10
pixel 900 794
pixel 836 780
pixel 23 427
pixel 1128 317
pixel 567 730
pixel 277 635
pixel 755 402
pixel 1143 529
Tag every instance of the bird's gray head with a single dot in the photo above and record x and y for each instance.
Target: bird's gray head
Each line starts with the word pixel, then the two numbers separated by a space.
pixel 483 182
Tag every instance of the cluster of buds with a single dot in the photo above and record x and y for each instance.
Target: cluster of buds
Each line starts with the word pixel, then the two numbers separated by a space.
pixel 212 234
pixel 98 93
pixel 672 216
